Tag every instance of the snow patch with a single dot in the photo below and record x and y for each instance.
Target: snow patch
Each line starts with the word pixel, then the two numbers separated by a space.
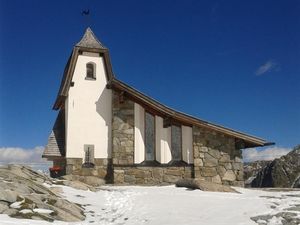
pixel 168 205
pixel 43 211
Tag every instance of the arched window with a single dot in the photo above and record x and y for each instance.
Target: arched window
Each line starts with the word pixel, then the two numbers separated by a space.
pixel 91 70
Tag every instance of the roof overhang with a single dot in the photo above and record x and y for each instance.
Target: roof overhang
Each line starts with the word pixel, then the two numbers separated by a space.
pixel 166 112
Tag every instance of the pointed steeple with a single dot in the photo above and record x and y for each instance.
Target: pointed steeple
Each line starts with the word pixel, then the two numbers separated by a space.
pixel 89 40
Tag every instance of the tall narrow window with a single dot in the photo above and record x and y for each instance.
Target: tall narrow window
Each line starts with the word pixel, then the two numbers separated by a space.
pixel 90 70
pixel 88 156
pixel 149 137
pixel 176 143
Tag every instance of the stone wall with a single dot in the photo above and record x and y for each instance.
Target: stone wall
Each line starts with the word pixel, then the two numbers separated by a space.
pixel 122 130
pixel 102 168
pixel 216 158
pixel 146 175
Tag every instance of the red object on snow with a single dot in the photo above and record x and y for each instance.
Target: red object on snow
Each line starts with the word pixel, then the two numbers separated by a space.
pixel 56 171
pixel 55 168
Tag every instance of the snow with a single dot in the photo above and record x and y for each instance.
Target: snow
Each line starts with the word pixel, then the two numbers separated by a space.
pixel 17 205
pixel 25 211
pixel 168 205
pixel 43 211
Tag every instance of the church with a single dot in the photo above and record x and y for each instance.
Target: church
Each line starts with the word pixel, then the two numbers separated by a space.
pixel 108 129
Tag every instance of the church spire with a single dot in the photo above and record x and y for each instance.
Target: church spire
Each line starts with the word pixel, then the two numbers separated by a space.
pixel 89 40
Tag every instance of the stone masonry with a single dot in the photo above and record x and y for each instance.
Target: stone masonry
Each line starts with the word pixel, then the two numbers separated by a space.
pixel 156 175
pixel 122 130
pixel 102 168
pixel 125 172
pixel 216 158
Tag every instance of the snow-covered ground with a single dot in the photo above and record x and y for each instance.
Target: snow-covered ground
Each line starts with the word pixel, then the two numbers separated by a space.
pixel 170 205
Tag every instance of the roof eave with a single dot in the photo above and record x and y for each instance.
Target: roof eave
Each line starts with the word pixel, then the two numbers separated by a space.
pixel 250 141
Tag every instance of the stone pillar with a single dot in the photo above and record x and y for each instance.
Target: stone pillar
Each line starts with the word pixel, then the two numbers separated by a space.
pixel 122 130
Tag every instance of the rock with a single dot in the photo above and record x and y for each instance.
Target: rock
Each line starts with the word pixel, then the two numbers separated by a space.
pixel 82 182
pixel 67 212
pixel 217 179
pixel 93 181
pixel 209 160
pixel 8 196
pixel 187 183
pixel 129 179
pixel 198 162
pixel 22 190
pixel 209 186
pixel 251 169
pixel 10 211
pixel 203 149
pixel 170 179
pixel 56 190
pixel 203 185
pixel 225 158
pixel 208 171
pixel 229 176
pixel 228 166
pixel 221 170
pixel 214 153
pixel 76 184
pixel 296 183
pixel 3 207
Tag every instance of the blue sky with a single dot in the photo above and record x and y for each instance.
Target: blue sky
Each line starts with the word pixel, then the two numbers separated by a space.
pixel 234 63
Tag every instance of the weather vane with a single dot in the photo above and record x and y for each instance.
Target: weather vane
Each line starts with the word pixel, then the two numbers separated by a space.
pixel 86 14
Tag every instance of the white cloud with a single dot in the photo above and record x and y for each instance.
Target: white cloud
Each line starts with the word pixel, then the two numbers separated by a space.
pixel 21 156
pixel 267 67
pixel 252 154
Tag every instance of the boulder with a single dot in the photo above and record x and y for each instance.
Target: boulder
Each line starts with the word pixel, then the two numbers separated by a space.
pixel 204 185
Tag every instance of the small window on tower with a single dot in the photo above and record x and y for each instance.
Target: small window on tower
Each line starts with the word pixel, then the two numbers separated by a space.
pixel 88 156
pixel 91 71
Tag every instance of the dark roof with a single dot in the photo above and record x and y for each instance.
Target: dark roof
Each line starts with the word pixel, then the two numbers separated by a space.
pixel 89 40
pixel 167 112
pixel 56 141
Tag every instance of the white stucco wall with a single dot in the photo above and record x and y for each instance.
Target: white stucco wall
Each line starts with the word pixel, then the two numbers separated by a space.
pixel 187 144
pixel 88 111
pixel 139 127
pixel 163 141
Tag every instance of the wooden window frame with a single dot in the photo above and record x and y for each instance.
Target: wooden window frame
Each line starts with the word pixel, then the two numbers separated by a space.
pixel 94 71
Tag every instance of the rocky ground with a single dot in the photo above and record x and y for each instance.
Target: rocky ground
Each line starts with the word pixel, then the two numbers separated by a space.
pixel 28 194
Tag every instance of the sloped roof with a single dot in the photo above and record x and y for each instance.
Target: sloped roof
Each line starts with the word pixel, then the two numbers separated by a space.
pixel 167 112
pixel 56 140
pixel 89 40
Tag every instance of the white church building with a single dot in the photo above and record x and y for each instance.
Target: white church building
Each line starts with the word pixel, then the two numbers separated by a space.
pixel 108 129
